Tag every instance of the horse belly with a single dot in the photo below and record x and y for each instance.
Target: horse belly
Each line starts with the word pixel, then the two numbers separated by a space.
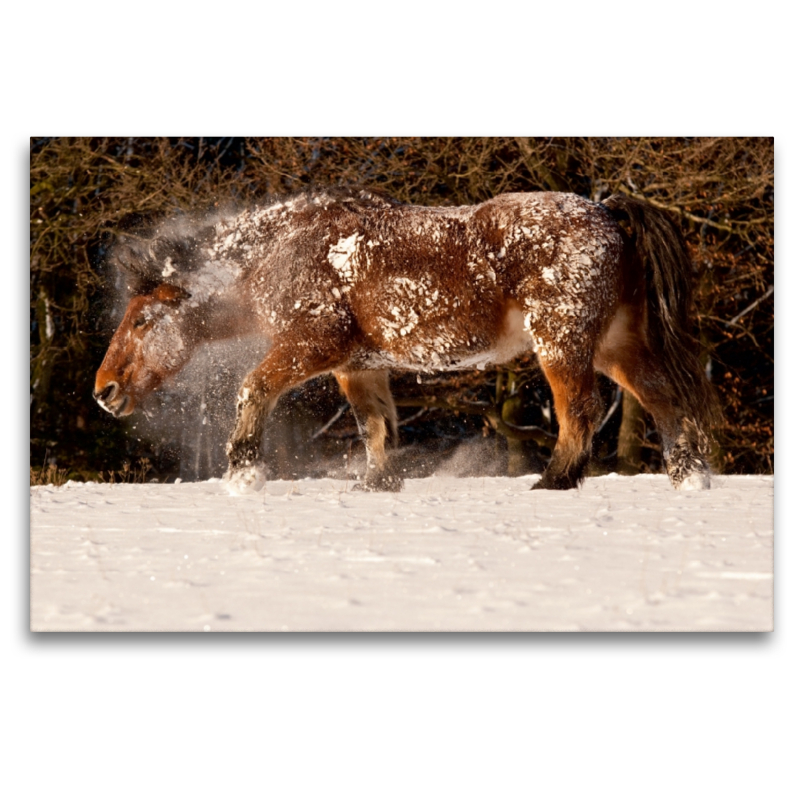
pixel 459 344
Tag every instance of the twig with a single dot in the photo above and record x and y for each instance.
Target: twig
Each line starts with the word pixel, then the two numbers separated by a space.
pixel 492 415
pixel 751 306
pixel 419 413
pixel 331 421
pixel 740 226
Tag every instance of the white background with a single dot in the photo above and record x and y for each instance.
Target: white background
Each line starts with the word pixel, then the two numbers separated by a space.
pixel 397 716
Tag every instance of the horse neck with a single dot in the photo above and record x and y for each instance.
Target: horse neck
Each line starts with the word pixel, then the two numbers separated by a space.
pixel 222 318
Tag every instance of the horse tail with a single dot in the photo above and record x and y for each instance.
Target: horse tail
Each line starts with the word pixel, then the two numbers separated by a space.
pixel 662 253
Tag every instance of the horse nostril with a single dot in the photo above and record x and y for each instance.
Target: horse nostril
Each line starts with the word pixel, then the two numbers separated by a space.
pixel 107 393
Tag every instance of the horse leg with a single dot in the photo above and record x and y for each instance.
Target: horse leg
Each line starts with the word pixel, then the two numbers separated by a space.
pixel 628 361
pixel 282 368
pixel 373 407
pixel 578 409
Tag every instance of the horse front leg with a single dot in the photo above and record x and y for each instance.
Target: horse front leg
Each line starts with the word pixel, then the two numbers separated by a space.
pixel 282 369
pixel 246 468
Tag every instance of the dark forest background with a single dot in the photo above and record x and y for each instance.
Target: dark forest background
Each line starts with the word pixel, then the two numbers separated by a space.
pixel 720 190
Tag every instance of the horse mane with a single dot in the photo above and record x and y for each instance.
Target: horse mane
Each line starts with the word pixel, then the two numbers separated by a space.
pixel 158 248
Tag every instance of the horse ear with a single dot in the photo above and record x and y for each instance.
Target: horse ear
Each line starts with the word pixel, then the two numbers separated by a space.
pixel 170 295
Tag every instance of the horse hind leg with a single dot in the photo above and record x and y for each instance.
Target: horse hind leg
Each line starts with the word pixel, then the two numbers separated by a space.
pixel 578 409
pixel 376 416
pixel 685 457
pixel 628 361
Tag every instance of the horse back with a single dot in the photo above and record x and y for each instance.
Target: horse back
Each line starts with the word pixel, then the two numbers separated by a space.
pixel 438 288
pixel 450 286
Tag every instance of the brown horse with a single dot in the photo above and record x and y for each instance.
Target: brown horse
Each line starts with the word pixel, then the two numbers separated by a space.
pixel 353 283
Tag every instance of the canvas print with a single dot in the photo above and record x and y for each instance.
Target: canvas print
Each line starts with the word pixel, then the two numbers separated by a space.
pixel 402 384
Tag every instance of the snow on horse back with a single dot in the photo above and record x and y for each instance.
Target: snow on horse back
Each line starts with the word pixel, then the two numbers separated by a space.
pixel 353 283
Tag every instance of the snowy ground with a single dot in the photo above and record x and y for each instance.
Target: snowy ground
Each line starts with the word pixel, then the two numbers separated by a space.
pixel 445 554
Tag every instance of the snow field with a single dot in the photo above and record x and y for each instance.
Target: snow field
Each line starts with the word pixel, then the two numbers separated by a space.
pixel 445 554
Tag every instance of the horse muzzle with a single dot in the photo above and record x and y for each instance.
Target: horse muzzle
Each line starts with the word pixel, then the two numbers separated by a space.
pixel 113 400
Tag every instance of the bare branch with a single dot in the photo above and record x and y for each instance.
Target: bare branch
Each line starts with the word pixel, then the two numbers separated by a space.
pixel 331 421
pixel 751 306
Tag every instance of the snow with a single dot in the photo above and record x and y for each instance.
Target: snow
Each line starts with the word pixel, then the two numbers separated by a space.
pixel 340 256
pixel 444 554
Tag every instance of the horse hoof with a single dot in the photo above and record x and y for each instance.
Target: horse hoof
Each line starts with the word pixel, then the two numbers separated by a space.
pixel 245 480
pixel 561 484
pixel 696 482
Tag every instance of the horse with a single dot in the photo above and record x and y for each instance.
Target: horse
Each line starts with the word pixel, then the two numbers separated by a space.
pixel 354 283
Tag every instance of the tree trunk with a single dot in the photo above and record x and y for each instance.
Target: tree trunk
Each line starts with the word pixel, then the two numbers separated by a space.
pixel 517 457
pixel 631 436
pixel 42 361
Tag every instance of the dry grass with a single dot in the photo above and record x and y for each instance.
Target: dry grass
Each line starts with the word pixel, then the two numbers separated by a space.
pixel 51 475
pixel 48 476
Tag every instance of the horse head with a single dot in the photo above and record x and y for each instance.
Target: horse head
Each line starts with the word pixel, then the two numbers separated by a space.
pixel 152 343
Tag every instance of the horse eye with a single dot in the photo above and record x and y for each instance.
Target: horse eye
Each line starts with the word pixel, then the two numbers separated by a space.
pixel 139 322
